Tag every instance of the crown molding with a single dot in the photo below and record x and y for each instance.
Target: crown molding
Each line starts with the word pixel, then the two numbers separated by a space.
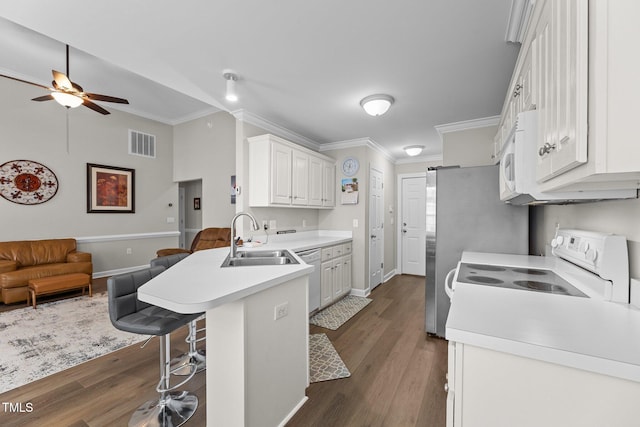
pixel 282 132
pixel 468 124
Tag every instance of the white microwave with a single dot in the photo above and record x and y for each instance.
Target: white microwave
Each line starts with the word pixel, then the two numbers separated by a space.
pixel 518 184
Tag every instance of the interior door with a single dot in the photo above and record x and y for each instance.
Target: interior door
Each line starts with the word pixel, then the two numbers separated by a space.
pixel 376 232
pixel 414 225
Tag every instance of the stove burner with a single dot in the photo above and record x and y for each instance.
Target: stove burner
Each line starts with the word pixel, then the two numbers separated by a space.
pixel 484 279
pixel 531 271
pixel 486 267
pixel 541 286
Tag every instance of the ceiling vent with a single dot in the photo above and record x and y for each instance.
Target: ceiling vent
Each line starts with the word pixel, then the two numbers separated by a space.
pixel 142 144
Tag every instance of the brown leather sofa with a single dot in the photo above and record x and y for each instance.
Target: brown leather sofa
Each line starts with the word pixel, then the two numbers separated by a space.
pixel 208 238
pixel 21 261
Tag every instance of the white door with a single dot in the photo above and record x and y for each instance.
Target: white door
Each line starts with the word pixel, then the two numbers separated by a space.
pixel 413 225
pixel 181 216
pixel 376 232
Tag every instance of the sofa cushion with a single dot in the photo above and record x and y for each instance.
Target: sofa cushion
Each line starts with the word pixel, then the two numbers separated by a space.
pixel 34 252
pixel 17 278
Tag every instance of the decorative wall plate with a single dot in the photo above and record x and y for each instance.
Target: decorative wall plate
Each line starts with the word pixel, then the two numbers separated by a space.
pixel 27 182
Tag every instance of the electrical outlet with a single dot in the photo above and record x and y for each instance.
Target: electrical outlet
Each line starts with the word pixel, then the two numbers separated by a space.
pixel 304 223
pixel 281 310
pixel 129 251
pixel 355 223
pixel 272 224
pixel 265 225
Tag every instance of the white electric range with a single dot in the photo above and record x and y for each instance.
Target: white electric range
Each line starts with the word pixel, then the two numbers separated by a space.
pixel 571 308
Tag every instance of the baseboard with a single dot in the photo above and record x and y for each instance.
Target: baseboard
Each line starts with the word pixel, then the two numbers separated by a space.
pixel 360 292
pixel 108 273
pixel 293 412
pixel 389 275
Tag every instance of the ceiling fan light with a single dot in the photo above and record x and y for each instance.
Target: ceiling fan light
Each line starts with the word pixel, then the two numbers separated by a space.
pixel 377 105
pixel 413 150
pixel 66 99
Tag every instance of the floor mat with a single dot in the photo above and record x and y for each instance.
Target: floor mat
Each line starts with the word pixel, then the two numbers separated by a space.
pixel 324 361
pixel 337 314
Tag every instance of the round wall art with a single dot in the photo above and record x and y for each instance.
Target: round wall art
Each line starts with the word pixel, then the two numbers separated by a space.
pixel 27 182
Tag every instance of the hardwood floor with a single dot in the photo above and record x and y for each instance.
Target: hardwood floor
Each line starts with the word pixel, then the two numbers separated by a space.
pixel 397 372
pixel 397 375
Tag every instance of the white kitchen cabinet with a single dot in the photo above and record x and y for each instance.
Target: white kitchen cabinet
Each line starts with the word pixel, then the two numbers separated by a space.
pixel 300 181
pixel 280 175
pixel 583 82
pixel 329 184
pixel 563 48
pixel 283 174
pixel 492 388
pixel 316 181
pixel 336 271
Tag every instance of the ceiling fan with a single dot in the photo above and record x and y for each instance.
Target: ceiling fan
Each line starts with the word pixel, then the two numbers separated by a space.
pixel 70 94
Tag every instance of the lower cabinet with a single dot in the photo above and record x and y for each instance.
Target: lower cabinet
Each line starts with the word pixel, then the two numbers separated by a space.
pixel 491 388
pixel 335 276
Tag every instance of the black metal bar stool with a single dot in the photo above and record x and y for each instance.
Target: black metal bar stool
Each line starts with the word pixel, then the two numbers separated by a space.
pixel 129 314
pixel 180 364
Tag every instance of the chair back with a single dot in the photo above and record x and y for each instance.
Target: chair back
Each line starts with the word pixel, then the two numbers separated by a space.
pixel 122 291
pixel 168 260
pixel 210 238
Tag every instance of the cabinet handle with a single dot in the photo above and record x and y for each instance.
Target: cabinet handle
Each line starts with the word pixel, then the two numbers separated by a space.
pixel 446 387
pixel 546 148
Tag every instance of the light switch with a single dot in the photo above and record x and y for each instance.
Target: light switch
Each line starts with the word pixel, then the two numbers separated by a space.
pixel 170 220
pixel 355 223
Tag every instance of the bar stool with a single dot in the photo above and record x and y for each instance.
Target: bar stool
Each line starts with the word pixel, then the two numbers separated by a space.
pixel 127 313
pixel 180 364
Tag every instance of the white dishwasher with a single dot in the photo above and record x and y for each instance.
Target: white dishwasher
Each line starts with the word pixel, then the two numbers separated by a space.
pixel 312 257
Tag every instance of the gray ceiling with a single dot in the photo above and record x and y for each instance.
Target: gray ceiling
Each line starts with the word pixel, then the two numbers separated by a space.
pixel 303 66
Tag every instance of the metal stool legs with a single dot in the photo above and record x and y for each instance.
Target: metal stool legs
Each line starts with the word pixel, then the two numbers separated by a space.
pixel 180 364
pixel 171 409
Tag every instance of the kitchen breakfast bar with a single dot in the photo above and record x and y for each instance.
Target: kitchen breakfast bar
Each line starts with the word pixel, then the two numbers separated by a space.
pixel 257 366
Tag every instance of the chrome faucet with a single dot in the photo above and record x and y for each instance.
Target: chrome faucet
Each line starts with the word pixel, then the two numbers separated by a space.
pixel 254 224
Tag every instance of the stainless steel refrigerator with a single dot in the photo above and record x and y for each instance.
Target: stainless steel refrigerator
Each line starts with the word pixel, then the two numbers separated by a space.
pixel 464 213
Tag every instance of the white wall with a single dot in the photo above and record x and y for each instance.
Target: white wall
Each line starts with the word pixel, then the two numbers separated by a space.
pixel 470 147
pixel 620 217
pixel 204 149
pixel 38 131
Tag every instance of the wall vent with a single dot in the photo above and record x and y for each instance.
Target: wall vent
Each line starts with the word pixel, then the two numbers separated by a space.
pixel 142 144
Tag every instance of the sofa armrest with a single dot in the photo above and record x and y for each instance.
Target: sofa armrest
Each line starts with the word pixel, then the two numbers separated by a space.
pixel 78 257
pixel 7 265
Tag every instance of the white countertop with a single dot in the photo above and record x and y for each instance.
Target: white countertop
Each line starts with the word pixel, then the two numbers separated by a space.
pixel 198 283
pixel 583 333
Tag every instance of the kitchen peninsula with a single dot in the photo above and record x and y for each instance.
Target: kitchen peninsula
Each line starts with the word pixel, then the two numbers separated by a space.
pixel 257 367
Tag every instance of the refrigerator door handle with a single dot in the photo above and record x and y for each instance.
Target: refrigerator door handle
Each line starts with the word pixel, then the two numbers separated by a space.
pixel 449 289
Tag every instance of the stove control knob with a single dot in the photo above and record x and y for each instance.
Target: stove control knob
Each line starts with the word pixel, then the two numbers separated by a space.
pixel 559 240
pixel 554 243
pixel 591 254
pixel 584 247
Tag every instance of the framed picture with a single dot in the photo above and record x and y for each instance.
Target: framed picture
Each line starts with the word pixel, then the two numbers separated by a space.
pixel 110 189
pixel 196 203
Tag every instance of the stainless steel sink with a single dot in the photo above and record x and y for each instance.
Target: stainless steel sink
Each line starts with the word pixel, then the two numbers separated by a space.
pixel 258 258
pixel 262 254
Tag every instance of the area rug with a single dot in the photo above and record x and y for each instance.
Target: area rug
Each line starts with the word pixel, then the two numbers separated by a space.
pixel 56 336
pixel 324 361
pixel 337 314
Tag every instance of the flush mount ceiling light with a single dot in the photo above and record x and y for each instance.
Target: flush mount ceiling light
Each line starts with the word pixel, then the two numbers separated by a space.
pixel 376 105
pixel 231 78
pixel 413 150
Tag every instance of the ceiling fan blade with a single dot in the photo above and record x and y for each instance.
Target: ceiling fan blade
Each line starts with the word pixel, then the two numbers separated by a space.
pixel 105 98
pixel 27 82
pixel 95 107
pixel 43 98
pixel 62 80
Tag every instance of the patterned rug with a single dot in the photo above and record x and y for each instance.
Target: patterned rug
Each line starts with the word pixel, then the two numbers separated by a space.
pixel 324 362
pixel 56 336
pixel 337 314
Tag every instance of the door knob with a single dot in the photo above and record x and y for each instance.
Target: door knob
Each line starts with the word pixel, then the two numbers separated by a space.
pixel 373 236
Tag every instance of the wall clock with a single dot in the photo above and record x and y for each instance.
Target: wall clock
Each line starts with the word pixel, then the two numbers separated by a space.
pixel 350 166
pixel 27 182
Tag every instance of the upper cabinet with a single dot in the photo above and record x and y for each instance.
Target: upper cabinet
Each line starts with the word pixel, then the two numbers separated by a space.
pixel 576 67
pixel 284 174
